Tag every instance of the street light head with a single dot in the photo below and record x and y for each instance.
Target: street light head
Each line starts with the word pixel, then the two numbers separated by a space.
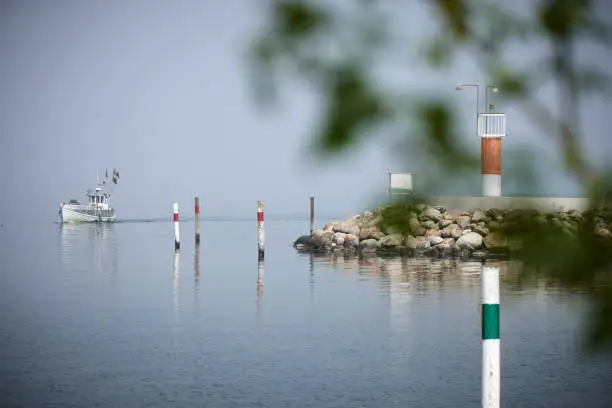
pixel 494 90
pixel 459 87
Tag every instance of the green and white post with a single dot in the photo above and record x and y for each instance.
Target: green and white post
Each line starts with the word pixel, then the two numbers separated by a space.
pixel 490 338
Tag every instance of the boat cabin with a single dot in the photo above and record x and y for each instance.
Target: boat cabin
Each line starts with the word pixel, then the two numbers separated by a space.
pixel 98 198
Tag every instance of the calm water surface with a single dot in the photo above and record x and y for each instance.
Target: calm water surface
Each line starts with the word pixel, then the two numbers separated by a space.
pixel 108 316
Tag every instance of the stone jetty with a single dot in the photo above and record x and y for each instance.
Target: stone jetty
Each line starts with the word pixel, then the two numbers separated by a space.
pixel 434 231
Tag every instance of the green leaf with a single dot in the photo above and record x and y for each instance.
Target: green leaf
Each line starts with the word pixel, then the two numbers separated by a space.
pixel 439 52
pixel 352 107
pixel 455 13
pixel 297 19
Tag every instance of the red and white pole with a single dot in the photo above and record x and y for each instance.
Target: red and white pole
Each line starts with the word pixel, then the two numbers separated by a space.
pixel 491 168
pixel 177 239
pixel 492 128
pixel 260 230
pixel 197 220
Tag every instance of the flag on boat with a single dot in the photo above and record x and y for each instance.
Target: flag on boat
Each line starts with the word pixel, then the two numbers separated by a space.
pixel 107 172
pixel 115 176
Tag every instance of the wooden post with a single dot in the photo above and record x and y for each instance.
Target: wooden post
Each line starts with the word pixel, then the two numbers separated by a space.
pixel 177 240
pixel 197 219
pixel 490 338
pixel 260 230
pixel 311 214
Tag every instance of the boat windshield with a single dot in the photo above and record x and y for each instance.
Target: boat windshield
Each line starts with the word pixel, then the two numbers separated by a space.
pixel 97 198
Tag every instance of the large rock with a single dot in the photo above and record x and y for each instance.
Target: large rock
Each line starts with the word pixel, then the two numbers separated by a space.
pixel 478 216
pixel 482 231
pixel 348 226
pixel 322 241
pixel 432 214
pixel 367 220
pixel 446 232
pixel 329 227
pixel 370 233
pixel 391 241
pixel 445 223
pixel 433 232
pixel 369 245
pixel 318 232
pixel 338 238
pixel 463 220
pixel 495 213
pixel 440 208
pixel 470 241
pixel 417 243
pixel 414 224
pixel 303 242
pixel 435 240
pixel 429 224
pixel 456 233
pixel 351 241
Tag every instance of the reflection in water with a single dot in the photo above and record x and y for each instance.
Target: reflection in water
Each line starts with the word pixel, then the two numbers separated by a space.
pixel 405 279
pixel 90 246
pixel 407 274
pixel 311 281
pixel 261 270
pixel 175 279
pixel 196 267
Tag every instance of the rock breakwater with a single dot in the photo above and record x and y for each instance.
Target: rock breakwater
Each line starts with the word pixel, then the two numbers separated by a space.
pixel 433 231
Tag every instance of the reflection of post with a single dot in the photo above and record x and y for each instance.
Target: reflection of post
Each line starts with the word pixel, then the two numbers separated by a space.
pixel 261 270
pixel 196 261
pixel 490 338
pixel 312 276
pixel 260 230
pixel 175 279
pixel 196 267
pixel 311 261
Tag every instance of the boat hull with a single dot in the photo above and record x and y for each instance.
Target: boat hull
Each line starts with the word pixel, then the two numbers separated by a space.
pixel 80 214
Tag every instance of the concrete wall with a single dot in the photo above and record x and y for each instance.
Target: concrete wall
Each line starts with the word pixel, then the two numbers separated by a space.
pixel 537 203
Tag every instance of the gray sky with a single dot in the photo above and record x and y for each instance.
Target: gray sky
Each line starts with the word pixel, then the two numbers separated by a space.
pixel 159 90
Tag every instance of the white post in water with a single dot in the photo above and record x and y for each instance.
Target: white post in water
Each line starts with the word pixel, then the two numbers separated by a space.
pixel 197 219
pixel 177 239
pixel 260 230
pixel 490 338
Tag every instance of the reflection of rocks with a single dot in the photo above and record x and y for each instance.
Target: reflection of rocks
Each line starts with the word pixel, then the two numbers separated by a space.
pixel 410 274
pixel 436 232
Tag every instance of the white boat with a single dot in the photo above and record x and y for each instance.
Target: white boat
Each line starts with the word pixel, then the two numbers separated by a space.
pixel 98 207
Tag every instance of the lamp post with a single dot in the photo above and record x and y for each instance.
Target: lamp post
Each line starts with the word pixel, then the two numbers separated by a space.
pixel 490 127
pixel 461 87
pixel 493 89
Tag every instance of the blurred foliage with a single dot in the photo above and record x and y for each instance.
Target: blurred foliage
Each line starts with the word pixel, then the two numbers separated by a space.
pixel 334 50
